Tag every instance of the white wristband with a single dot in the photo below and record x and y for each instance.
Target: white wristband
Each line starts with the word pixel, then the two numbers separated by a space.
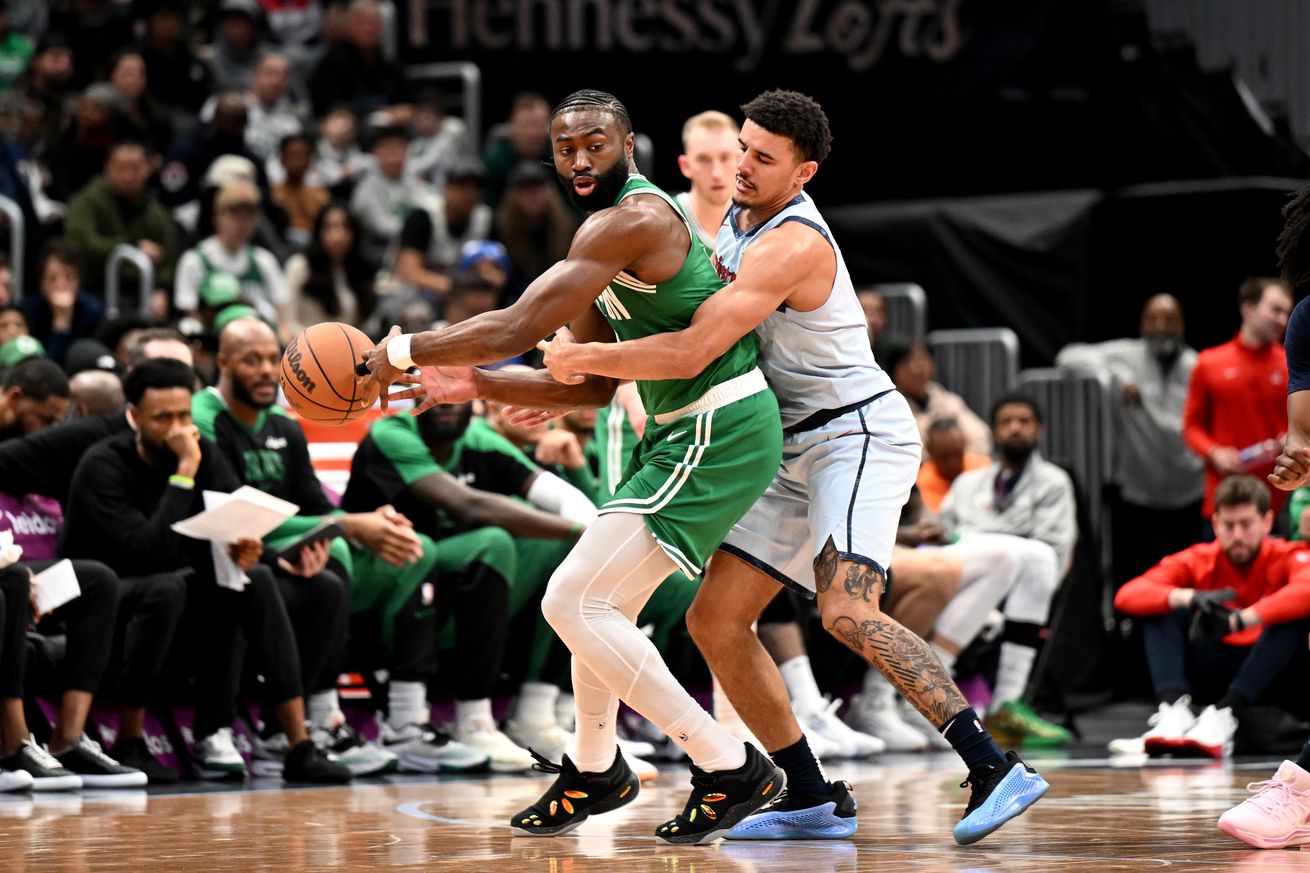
pixel 398 352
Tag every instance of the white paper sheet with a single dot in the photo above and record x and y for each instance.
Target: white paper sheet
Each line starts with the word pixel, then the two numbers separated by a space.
pixel 56 586
pixel 246 513
pixel 226 572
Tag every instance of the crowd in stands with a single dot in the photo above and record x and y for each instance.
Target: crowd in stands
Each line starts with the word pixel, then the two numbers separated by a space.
pixel 277 170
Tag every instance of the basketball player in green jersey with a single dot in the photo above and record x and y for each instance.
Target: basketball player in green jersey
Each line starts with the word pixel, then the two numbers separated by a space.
pixel 711 446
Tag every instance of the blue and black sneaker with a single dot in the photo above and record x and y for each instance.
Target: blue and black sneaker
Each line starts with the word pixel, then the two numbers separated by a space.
pixel 797 816
pixel 999 794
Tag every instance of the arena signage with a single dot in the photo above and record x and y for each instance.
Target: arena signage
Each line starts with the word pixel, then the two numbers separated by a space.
pixel 861 33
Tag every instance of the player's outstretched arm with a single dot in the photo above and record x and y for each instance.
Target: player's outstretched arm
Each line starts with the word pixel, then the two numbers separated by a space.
pixel 773 268
pixel 1292 467
pixel 607 243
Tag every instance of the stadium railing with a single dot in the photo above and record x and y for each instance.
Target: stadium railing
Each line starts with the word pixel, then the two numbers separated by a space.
pixel 145 278
pixel 470 79
pixel 907 310
pixel 17 241
pixel 980 364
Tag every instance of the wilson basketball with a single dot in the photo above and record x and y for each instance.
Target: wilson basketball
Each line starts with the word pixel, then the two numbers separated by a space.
pixel 318 373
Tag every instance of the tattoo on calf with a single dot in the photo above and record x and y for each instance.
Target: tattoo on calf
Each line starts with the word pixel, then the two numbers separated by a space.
pixel 907 662
pixel 825 567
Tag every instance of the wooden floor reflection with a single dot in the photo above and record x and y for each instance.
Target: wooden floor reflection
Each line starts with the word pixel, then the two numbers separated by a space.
pixel 1095 818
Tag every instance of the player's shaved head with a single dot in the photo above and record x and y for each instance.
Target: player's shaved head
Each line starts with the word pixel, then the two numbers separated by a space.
pixel 241 333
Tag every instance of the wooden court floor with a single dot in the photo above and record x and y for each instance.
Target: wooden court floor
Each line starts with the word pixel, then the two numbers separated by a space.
pixel 1095 818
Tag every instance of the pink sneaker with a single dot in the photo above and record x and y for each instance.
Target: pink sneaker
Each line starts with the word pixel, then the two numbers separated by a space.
pixel 1278 813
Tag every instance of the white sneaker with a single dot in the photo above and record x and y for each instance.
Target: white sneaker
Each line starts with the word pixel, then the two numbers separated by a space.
pixel 343 745
pixel 506 757
pixel 1278 813
pixel 916 720
pixel 565 715
pixel 217 757
pixel 645 771
pixel 15 780
pixel 1164 731
pixel 548 740
pixel 875 714
pixel 1212 733
pixel 848 743
pixel 428 749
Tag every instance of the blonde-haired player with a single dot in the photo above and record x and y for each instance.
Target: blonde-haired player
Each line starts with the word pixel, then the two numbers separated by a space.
pixel 709 161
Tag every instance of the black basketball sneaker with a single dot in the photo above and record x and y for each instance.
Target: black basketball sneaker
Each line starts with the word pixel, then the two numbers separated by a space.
pixel 574 796
pixel 721 799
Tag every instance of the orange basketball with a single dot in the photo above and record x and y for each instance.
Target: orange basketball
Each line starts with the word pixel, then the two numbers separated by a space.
pixel 318 373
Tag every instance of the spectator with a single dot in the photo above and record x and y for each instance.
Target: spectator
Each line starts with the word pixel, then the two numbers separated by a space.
pixel 178 79
pixel 527 138
pixel 192 156
pixel 913 370
pixel 1160 482
pixel 533 222
pixel 295 24
pixel 62 313
pixel 95 392
pixel 440 142
pixel 355 73
pixel 95 29
pixel 36 109
pixel 16 52
pixel 709 161
pixel 301 201
pixel 433 233
pixel 1225 624
pixel 271 113
pixel 229 251
pixel 1236 411
pixel 331 281
pixel 236 46
pixel 19 349
pixel 117 209
pixel 127 74
pixel 466 487
pixel 386 195
pixel 125 495
pixel 12 323
pixel 946 457
pixel 470 295
pixel 35 397
pixel 81 152
pixel 1032 500
pixel 338 159
pixel 875 315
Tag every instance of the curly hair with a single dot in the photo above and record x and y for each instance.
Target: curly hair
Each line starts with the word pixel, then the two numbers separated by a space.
pixel 1294 242
pixel 588 98
pixel 796 116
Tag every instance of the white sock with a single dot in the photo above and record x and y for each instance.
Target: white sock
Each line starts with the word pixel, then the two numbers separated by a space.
pixel 801 687
pixel 323 709
pixel 947 659
pixel 597 711
pixel 407 703
pixel 536 704
pixel 702 739
pixel 1012 674
pixel 474 715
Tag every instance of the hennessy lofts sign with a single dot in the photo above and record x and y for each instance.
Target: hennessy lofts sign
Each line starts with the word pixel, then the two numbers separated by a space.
pixel 750 33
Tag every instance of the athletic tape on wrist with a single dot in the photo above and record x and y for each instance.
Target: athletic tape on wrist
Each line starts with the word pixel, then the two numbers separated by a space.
pixel 398 352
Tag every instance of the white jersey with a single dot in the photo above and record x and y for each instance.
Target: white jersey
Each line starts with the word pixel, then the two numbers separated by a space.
pixel 817 360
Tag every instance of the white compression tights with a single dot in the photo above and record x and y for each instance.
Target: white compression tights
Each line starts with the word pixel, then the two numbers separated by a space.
pixel 592 602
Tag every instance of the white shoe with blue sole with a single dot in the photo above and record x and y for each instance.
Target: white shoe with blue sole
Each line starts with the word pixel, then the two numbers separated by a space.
pixel 998 796
pixel 795 816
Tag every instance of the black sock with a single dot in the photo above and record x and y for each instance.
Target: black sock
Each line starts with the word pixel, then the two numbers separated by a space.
pixel 971 741
pixel 1171 695
pixel 802 769
pixel 1234 701
pixel 1304 761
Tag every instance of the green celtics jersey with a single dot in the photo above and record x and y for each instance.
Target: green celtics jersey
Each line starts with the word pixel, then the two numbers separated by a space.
pixel 636 309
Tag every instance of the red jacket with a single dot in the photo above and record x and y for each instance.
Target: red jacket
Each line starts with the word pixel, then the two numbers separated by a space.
pixel 1276 583
pixel 1237 397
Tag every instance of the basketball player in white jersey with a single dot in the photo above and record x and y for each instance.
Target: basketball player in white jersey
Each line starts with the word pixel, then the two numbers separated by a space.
pixel 826 526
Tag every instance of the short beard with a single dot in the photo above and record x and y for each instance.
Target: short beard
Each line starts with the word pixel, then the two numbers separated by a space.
pixel 1016 454
pixel 157 454
pixel 242 393
pixel 608 186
